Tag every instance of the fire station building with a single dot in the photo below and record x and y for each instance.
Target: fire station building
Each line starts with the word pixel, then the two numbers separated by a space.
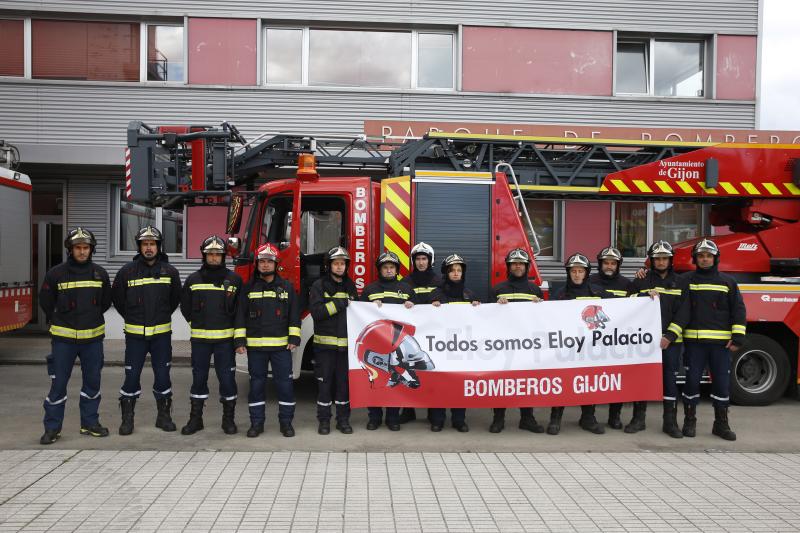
pixel 73 73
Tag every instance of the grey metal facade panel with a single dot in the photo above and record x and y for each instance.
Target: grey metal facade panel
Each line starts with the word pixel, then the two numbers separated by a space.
pixel 682 16
pixel 96 115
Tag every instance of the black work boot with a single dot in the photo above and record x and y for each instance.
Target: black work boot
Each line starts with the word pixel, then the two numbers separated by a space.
pixel 228 413
pixel 498 422
pixel 614 412
pixel 94 431
pixel 195 422
pixel 126 405
pixel 256 429
pixel 344 426
pixel 407 415
pixel 689 420
pixel 637 422
pixel 554 426
pixel 588 421
pixel 529 423
pixel 164 417
pixel 324 427
pixel 287 430
pixel 670 424
pixel 721 428
pixel 50 436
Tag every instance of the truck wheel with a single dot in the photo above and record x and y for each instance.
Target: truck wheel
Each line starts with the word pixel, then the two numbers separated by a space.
pixel 759 371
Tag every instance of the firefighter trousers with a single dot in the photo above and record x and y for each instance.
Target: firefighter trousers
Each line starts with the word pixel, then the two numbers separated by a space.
pixel 224 366
pixel 375 414
pixel 60 369
pixel 331 371
pixel 136 349
pixel 458 415
pixel 670 359
pixel 718 359
pixel 280 361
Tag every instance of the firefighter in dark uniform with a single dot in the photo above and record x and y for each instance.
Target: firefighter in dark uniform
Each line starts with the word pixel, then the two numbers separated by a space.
pixel 423 281
pixel 74 296
pixel 716 327
pixel 146 292
pixel 608 277
pixel 517 288
pixel 268 329
pixel 671 290
pixel 328 301
pixel 387 289
pixel 578 287
pixel 208 303
pixel 452 291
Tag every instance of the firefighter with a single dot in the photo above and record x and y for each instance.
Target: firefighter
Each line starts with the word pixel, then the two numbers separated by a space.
pixel 74 296
pixel 146 291
pixel 208 303
pixel 578 287
pixel 387 289
pixel 671 289
pixel 268 329
pixel 517 288
pixel 423 281
pixel 452 291
pixel 328 301
pixel 608 277
pixel 716 327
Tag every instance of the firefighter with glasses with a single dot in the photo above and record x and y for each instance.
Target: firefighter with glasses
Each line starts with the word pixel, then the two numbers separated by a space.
pixel 390 290
pixel 146 292
pixel 516 288
pixel 74 296
pixel 208 303
pixel 268 329
pixel 328 301
pixel 716 327
pixel 671 290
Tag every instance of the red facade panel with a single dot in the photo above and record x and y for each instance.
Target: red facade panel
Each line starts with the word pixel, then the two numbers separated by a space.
pixel 588 227
pixel 222 51
pixel 736 67
pixel 12 48
pixel 521 60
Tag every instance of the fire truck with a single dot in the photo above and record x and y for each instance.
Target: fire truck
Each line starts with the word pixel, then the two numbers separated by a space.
pixel 16 284
pixel 464 193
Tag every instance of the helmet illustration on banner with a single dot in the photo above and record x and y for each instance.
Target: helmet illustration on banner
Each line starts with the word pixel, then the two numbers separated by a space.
pixel 391 355
pixel 594 317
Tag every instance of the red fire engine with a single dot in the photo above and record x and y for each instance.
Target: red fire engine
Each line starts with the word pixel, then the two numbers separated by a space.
pixel 463 192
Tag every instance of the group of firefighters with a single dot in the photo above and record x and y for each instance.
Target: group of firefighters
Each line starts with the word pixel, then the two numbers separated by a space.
pixel 701 311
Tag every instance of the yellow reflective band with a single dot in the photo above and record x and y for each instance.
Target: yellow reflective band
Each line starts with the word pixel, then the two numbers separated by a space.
pixel 338 295
pixel 79 285
pixel 616 292
pixel 662 290
pixel 268 294
pixel 331 307
pixel 675 328
pixel 332 341
pixel 715 334
pixel 260 342
pixel 61 331
pixel 708 287
pixel 455 303
pixel 212 333
pixel 738 329
pixel 239 333
pixel 294 331
pixel 517 296
pixel 424 290
pixel 587 298
pixel 137 329
pixel 211 287
pixel 149 281
pixel 382 295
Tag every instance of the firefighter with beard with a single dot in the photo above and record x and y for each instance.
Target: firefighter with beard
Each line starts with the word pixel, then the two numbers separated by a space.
pixel 517 288
pixel 268 329
pixel 387 289
pixel 715 328
pixel 608 277
pixel 208 303
pixel 452 291
pixel 146 292
pixel 423 281
pixel 74 296
pixel 578 287
pixel 671 290
pixel 328 301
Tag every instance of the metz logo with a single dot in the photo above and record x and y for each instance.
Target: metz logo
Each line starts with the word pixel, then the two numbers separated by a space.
pixel 748 247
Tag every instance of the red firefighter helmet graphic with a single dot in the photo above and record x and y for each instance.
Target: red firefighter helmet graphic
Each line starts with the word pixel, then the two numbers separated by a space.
pixel 594 317
pixel 388 351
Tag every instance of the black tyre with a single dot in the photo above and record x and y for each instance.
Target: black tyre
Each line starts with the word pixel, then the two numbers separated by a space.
pixel 759 371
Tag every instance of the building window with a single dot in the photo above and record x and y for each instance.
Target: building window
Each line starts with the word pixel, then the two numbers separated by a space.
pixel 75 50
pixel 359 58
pixel 638 224
pixel 132 216
pixel 165 60
pixel 12 47
pixel 630 228
pixel 676 222
pixel 544 216
pixel 660 67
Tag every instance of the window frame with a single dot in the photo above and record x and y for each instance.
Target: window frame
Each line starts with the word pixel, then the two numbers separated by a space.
pixel 116 195
pixel 704 228
pixel 26 49
pixel 306 47
pixel 143 35
pixel 558 224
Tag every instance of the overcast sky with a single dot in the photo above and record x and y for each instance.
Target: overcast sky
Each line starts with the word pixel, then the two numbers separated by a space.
pixel 780 66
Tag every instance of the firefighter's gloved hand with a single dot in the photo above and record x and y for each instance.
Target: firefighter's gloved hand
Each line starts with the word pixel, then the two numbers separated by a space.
pixel 408 305
pixel 664 343
pixel 502 301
